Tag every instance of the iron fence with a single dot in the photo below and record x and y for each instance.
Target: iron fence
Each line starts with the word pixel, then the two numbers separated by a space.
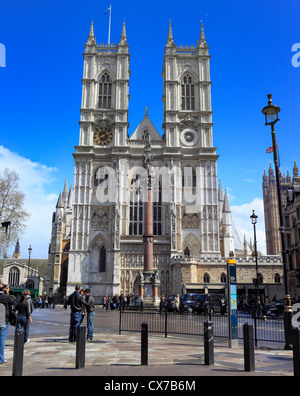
pixel 193 324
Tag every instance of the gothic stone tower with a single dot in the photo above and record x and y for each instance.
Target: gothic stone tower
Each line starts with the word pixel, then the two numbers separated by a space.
pixel 189 147
pixel 95 246
pixel 272 223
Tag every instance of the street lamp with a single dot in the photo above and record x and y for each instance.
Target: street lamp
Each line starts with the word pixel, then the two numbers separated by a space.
pixel 29 253
pixel 254 218
pixel 6 225
pixel 271 115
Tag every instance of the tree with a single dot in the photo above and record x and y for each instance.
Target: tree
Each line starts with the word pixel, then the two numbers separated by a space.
pixel 11 209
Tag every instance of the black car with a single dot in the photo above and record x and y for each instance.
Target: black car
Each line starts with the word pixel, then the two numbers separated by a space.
pixel 277 310
pixel 187 301
pixel 210 303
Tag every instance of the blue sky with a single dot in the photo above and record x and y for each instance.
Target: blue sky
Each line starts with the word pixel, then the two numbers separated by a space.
pixel 40 89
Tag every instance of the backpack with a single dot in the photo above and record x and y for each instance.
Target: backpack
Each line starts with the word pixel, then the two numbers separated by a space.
pixel 2 315
pixel 13 317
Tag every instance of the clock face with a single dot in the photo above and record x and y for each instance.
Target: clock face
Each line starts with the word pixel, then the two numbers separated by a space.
pixel 102 136
pixel 189 137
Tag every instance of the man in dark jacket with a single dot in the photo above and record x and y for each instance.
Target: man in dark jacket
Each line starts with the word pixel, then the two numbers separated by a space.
pixel 89 299
pixel 6 303
pixel 76 301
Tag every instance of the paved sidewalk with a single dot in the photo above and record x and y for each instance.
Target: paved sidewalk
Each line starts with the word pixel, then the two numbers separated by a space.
pixel 111 354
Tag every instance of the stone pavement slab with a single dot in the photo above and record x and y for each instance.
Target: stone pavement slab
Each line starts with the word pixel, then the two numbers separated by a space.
pixel 120 355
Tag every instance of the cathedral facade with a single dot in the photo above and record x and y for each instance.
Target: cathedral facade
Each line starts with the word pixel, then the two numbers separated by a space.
pixel 192 224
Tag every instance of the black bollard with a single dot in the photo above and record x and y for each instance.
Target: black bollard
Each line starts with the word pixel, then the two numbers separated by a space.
pixel 80 347
pixel 166 322
pixel 296 351
pixel 249 356
pixel 18 353
pixel 209 344
pixel 144 344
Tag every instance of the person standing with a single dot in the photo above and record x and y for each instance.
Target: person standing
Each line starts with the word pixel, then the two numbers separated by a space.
pixel 176 303
pixel 6 303
pixel 89 299
pixel 76 302
pixel 29 304
pixel 24 316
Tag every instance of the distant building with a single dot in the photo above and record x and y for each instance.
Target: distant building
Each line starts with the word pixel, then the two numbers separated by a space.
pixel 16 273
pixel 290 195
pixel 58 257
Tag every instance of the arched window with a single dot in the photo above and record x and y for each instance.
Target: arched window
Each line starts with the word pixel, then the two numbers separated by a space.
pixel 187 93
pixel 223 278
pixel 187 252
pixel 206 278
pixel 105 92
pixel 14 277
pixel 277 278
pixel 136 210
pixel 102 267
pixel 189 182
pixel 100 176
pixel 30 284
pixel 157 208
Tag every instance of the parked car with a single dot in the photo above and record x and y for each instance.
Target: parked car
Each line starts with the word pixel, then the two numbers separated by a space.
pixel 274 311
pixel 169 303
pixel 187 301
pixel 210 303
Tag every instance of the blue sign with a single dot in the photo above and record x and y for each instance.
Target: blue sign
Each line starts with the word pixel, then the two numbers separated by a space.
pixel 232 299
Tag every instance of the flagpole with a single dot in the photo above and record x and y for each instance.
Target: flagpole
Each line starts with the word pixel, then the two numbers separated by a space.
pixel 277 148
pixel 109 26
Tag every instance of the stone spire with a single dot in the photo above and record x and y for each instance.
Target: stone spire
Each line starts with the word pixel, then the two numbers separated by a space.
pixel 170 39
pixel 202 44
pixel 59 202
pixel 17 253
pixel 170 46
pixel 70 198
pixel 92 35
pixel 226 207
pixel 123 39
pixel 220 193
pixel 271 174
pixel 288 177
pixel 295 170
pixel 91 41
pixel 265 177
pixel 65 194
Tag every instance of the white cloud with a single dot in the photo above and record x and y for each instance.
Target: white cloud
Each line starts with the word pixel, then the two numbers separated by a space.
pixel 35 179
pixel 241 218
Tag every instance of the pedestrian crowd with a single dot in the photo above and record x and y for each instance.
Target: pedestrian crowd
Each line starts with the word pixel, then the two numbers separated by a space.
pixel 44 301
pixel 119 302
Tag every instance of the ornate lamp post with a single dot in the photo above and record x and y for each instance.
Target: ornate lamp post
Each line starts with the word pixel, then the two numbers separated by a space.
pixel 254 218
pixel 271 115
pixel 29 253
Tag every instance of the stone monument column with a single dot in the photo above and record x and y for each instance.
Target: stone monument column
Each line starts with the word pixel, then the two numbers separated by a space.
pixel 149 280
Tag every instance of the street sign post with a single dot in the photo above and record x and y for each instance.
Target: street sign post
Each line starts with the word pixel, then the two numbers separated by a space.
pixel 232 304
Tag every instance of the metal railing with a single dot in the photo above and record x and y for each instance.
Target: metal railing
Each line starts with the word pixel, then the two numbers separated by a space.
pixel 193 324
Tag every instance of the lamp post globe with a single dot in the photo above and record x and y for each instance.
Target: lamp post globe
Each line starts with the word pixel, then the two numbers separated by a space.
pixel 271 111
